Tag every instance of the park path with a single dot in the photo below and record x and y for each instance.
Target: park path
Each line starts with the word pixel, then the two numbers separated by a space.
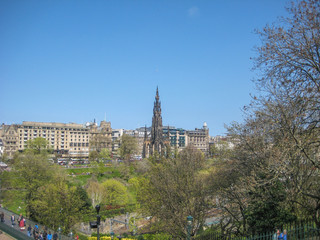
pixel 15 231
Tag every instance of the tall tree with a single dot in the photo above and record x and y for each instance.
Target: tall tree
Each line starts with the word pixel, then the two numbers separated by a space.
pixel 275 168
pixel 30 172
pixel 278 141
pixel 289 60
pixel 129 146
pixel 174 190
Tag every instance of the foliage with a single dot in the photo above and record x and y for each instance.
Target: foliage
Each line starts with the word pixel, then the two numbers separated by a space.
pixel 267 210
pixel 30 172
pixel 115 192
pixel 45 191
pixel 289 59
pixel 275 165
pixel 129 146
pixel 95 192
pixel 104 154
pixel 173 190
pixel 57 203
pixel 157 236
pixel 93 155
pixel 38 145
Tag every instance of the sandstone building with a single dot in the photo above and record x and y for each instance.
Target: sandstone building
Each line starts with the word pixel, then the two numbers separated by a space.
pixel 66 139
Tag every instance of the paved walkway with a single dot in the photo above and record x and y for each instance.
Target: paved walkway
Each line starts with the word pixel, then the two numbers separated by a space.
pixel 15 229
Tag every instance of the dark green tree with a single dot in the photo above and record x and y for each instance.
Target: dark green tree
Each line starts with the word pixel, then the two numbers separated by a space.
pixel 267 209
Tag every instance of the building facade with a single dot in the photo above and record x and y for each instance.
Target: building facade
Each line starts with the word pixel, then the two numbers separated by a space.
pixel 199 138
pixel 177 137
pixel 66 139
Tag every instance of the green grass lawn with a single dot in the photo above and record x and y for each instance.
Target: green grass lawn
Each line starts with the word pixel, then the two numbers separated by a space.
pixel 13 200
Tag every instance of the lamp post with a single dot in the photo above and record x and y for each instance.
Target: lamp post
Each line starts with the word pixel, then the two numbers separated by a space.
pixel 189 226
pixel 98 221
pixel 71 235
pixel 59 231
pixel 112 234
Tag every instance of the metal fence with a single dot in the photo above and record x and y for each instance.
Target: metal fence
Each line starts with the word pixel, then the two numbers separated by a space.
pixel 304 230
pixel 15 230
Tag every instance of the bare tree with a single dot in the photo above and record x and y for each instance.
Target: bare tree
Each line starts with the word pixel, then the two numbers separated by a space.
pixel 277 152
pixel 173 190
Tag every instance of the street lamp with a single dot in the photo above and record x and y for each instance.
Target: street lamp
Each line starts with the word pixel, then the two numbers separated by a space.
pixel 112 234
pixel 98 221
pixel 71 235
pixel 60 218
pixel 59 231
pixel 189 226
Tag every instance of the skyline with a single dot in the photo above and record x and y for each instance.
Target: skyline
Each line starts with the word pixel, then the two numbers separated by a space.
pixel 75 61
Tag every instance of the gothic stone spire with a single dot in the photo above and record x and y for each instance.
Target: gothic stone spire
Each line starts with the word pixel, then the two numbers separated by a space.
pixel 156 129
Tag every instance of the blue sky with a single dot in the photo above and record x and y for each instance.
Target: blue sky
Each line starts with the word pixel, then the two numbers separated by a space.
pixel 79 60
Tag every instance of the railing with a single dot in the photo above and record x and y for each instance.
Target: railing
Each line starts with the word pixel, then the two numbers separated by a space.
pixel 15 230
pixel 306 230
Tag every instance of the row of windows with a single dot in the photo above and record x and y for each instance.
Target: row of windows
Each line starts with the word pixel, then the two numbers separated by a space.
pixel 79 144
pixel 55 128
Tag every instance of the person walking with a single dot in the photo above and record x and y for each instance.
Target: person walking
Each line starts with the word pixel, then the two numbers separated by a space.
pixel 55 236
pixel 29 231
pixel 21 224
pixel 276 235
pixel 20 218
pixel 49 236
pixel 284 234
pixel 35 234
pixel 44 234
pixel 13 218
pixel 2 216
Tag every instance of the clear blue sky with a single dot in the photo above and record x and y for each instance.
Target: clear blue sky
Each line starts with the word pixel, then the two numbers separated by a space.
pixel 76 60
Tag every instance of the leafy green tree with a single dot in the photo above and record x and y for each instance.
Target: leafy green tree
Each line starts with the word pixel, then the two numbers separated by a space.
pixel 105 154
pixel 115 192
pixel 38 145
pixel 58 204
pixel 30 172
pixel 267 209
pixel 129 146
pixel 98 169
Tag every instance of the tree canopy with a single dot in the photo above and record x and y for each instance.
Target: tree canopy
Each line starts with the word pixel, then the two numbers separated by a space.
pixel 129 146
